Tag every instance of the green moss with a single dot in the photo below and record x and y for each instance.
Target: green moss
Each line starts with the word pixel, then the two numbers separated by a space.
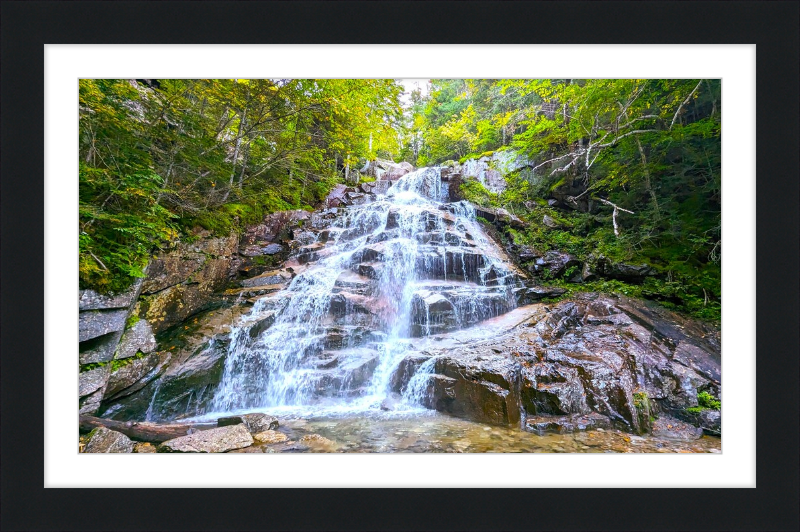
pixel 705 401
pixel 641 400
pixel 132 320
pixel 114 364
pixel 473 191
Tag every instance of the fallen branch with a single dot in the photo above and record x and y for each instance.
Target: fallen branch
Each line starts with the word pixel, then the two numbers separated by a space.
pixel 684 103
pixel 614 215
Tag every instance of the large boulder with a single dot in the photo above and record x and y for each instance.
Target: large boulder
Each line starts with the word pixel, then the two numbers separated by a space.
pixel 189 262
pixel 103 440
pixel 336 197
pixel 627 360
pixel 476 385
pixel 217 440
pixel 556 264
pixel 175 304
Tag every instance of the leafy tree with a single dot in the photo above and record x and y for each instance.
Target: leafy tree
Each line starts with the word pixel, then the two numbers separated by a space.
pixel 161 157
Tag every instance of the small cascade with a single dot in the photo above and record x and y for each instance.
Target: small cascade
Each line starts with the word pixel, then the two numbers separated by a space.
pixel 375 278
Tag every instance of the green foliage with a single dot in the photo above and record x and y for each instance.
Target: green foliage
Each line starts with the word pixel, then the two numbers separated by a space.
pixel 705 401
pixel 652 147
pixel 473 191
pixel 161 158
pixel 114 364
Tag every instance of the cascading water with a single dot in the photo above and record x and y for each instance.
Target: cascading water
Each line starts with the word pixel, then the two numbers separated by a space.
pixel 377 276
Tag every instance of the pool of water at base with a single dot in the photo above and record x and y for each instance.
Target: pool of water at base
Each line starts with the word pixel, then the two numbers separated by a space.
pixel 438 433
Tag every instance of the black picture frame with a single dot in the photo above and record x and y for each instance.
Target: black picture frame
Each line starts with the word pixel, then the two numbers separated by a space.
pixel 772 26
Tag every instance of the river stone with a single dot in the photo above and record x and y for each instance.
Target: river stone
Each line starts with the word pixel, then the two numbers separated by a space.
pixel 317 442
pixel 144 447
pixel 270 436
pixel 137 338
pixel 94 323
pixel 103 440
pixel 255 423
pixel 218 440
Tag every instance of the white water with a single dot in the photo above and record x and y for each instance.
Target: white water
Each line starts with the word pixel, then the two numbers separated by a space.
pixel 338 337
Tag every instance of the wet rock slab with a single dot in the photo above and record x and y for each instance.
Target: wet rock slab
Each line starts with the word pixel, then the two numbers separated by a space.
pixel 566 424
pixel 219 440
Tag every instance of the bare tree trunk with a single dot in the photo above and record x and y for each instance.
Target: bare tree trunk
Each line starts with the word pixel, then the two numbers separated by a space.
pixel 141 431
pixel 236 154
pixel 647 179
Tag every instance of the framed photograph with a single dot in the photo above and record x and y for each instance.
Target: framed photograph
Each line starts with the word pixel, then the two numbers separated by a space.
pixel 435 260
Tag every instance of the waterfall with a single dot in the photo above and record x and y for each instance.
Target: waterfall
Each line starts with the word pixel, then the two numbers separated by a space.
pixel 377 278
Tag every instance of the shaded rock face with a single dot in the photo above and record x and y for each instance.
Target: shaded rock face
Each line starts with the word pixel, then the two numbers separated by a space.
pixel 217 440
pixel 179 380
pixel 490 170
pixel 132 377
pixel 103 440
pixel 182 282
pixel 617 358
pixel 482 387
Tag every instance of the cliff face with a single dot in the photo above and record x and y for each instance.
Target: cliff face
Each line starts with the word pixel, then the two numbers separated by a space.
pixel 591 360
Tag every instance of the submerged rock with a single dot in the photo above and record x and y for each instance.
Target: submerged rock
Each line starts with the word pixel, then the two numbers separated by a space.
pixel 270 437
pixel 217 440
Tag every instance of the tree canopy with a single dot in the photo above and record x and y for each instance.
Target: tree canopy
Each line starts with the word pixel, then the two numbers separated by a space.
pixel 161 157
pixel 637 162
